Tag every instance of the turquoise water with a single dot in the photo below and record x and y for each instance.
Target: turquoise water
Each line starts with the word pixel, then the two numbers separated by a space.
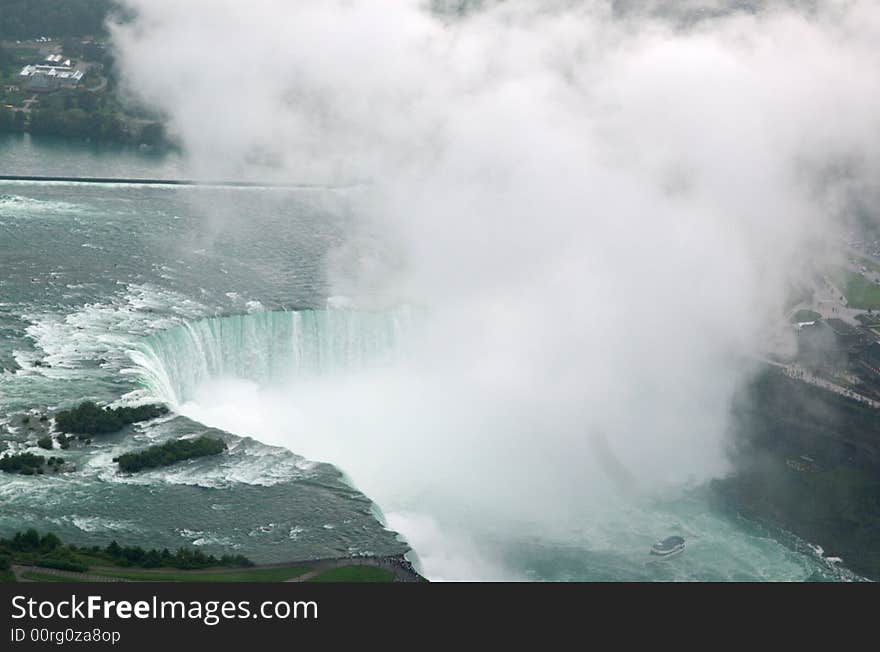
pixel 130 293
pixel 88 272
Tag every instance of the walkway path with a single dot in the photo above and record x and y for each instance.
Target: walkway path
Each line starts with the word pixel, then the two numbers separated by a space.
pixel 799 373
pixel 400 567
pixel 20 570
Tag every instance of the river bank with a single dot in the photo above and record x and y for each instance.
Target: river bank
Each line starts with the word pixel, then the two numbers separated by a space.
pixel 808 461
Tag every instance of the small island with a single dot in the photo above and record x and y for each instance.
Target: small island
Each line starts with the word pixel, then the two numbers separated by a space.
pixel 89 419
pixel 30 464
pixel 169 453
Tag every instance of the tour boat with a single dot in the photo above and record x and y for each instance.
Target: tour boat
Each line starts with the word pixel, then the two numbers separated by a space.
pixel 668 547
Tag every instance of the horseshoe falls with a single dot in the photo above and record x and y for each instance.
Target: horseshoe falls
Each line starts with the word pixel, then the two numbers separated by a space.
pixel 352 429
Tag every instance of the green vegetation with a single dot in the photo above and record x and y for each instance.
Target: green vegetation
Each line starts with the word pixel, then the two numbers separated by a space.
pixel 183 558
pixel 30 464
pixel 92 110
pixel 88 418
pixel 48 551
pixel 75 122
pixel 29 547
pixel 45 442
pixel 860 292
pixel 85 115
pixel 169 453
pixel 95 116
pixel 61 564
pixel 48 577
pixel 23 19
pixel 869 264
pixel 134 563
pixel 805 315
pixel 6 574
pixel 23 464
pixel 253 575
pixel 355 574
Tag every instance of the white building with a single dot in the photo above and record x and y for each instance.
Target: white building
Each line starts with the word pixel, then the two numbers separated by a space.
pixel 51 75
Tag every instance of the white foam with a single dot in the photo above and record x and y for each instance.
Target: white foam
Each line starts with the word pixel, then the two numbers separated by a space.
pixel 101 332
pixel 97 523
pixel 17 206
pixel 201 538
pixel 295 531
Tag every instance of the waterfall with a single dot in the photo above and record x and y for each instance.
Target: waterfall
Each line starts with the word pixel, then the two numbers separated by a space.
pixel 267 348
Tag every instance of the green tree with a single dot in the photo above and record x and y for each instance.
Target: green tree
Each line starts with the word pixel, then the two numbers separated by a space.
pixel 26 541
pixel 23 19
pixel 49 542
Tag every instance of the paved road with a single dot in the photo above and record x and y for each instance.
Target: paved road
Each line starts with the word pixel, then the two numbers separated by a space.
pixel 19 572
pixel 830 302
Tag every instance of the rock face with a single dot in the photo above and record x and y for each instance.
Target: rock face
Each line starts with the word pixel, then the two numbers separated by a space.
pixel 808 461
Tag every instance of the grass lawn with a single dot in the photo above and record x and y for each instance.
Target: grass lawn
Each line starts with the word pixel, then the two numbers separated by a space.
pixel 48 577
pixel 805 315
pixel 355 574
pixel 860 292
pixel 27 53
pixel 870 264
pixel 241 575
pixel 93 560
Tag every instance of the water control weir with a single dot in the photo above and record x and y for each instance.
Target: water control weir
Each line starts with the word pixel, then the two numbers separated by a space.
pixel 170 182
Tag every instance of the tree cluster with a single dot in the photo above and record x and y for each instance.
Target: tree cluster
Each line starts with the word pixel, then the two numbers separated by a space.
pixel 169 453
pixel 88 418
pixel 49 551
pixel 24 19
pixel 30 464
pixel 23 463
pixel 184 558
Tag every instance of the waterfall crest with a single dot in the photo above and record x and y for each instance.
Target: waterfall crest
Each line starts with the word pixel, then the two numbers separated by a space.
pixel 267 348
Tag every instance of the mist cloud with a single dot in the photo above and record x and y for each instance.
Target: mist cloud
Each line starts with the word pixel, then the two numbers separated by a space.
pixel 601 211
